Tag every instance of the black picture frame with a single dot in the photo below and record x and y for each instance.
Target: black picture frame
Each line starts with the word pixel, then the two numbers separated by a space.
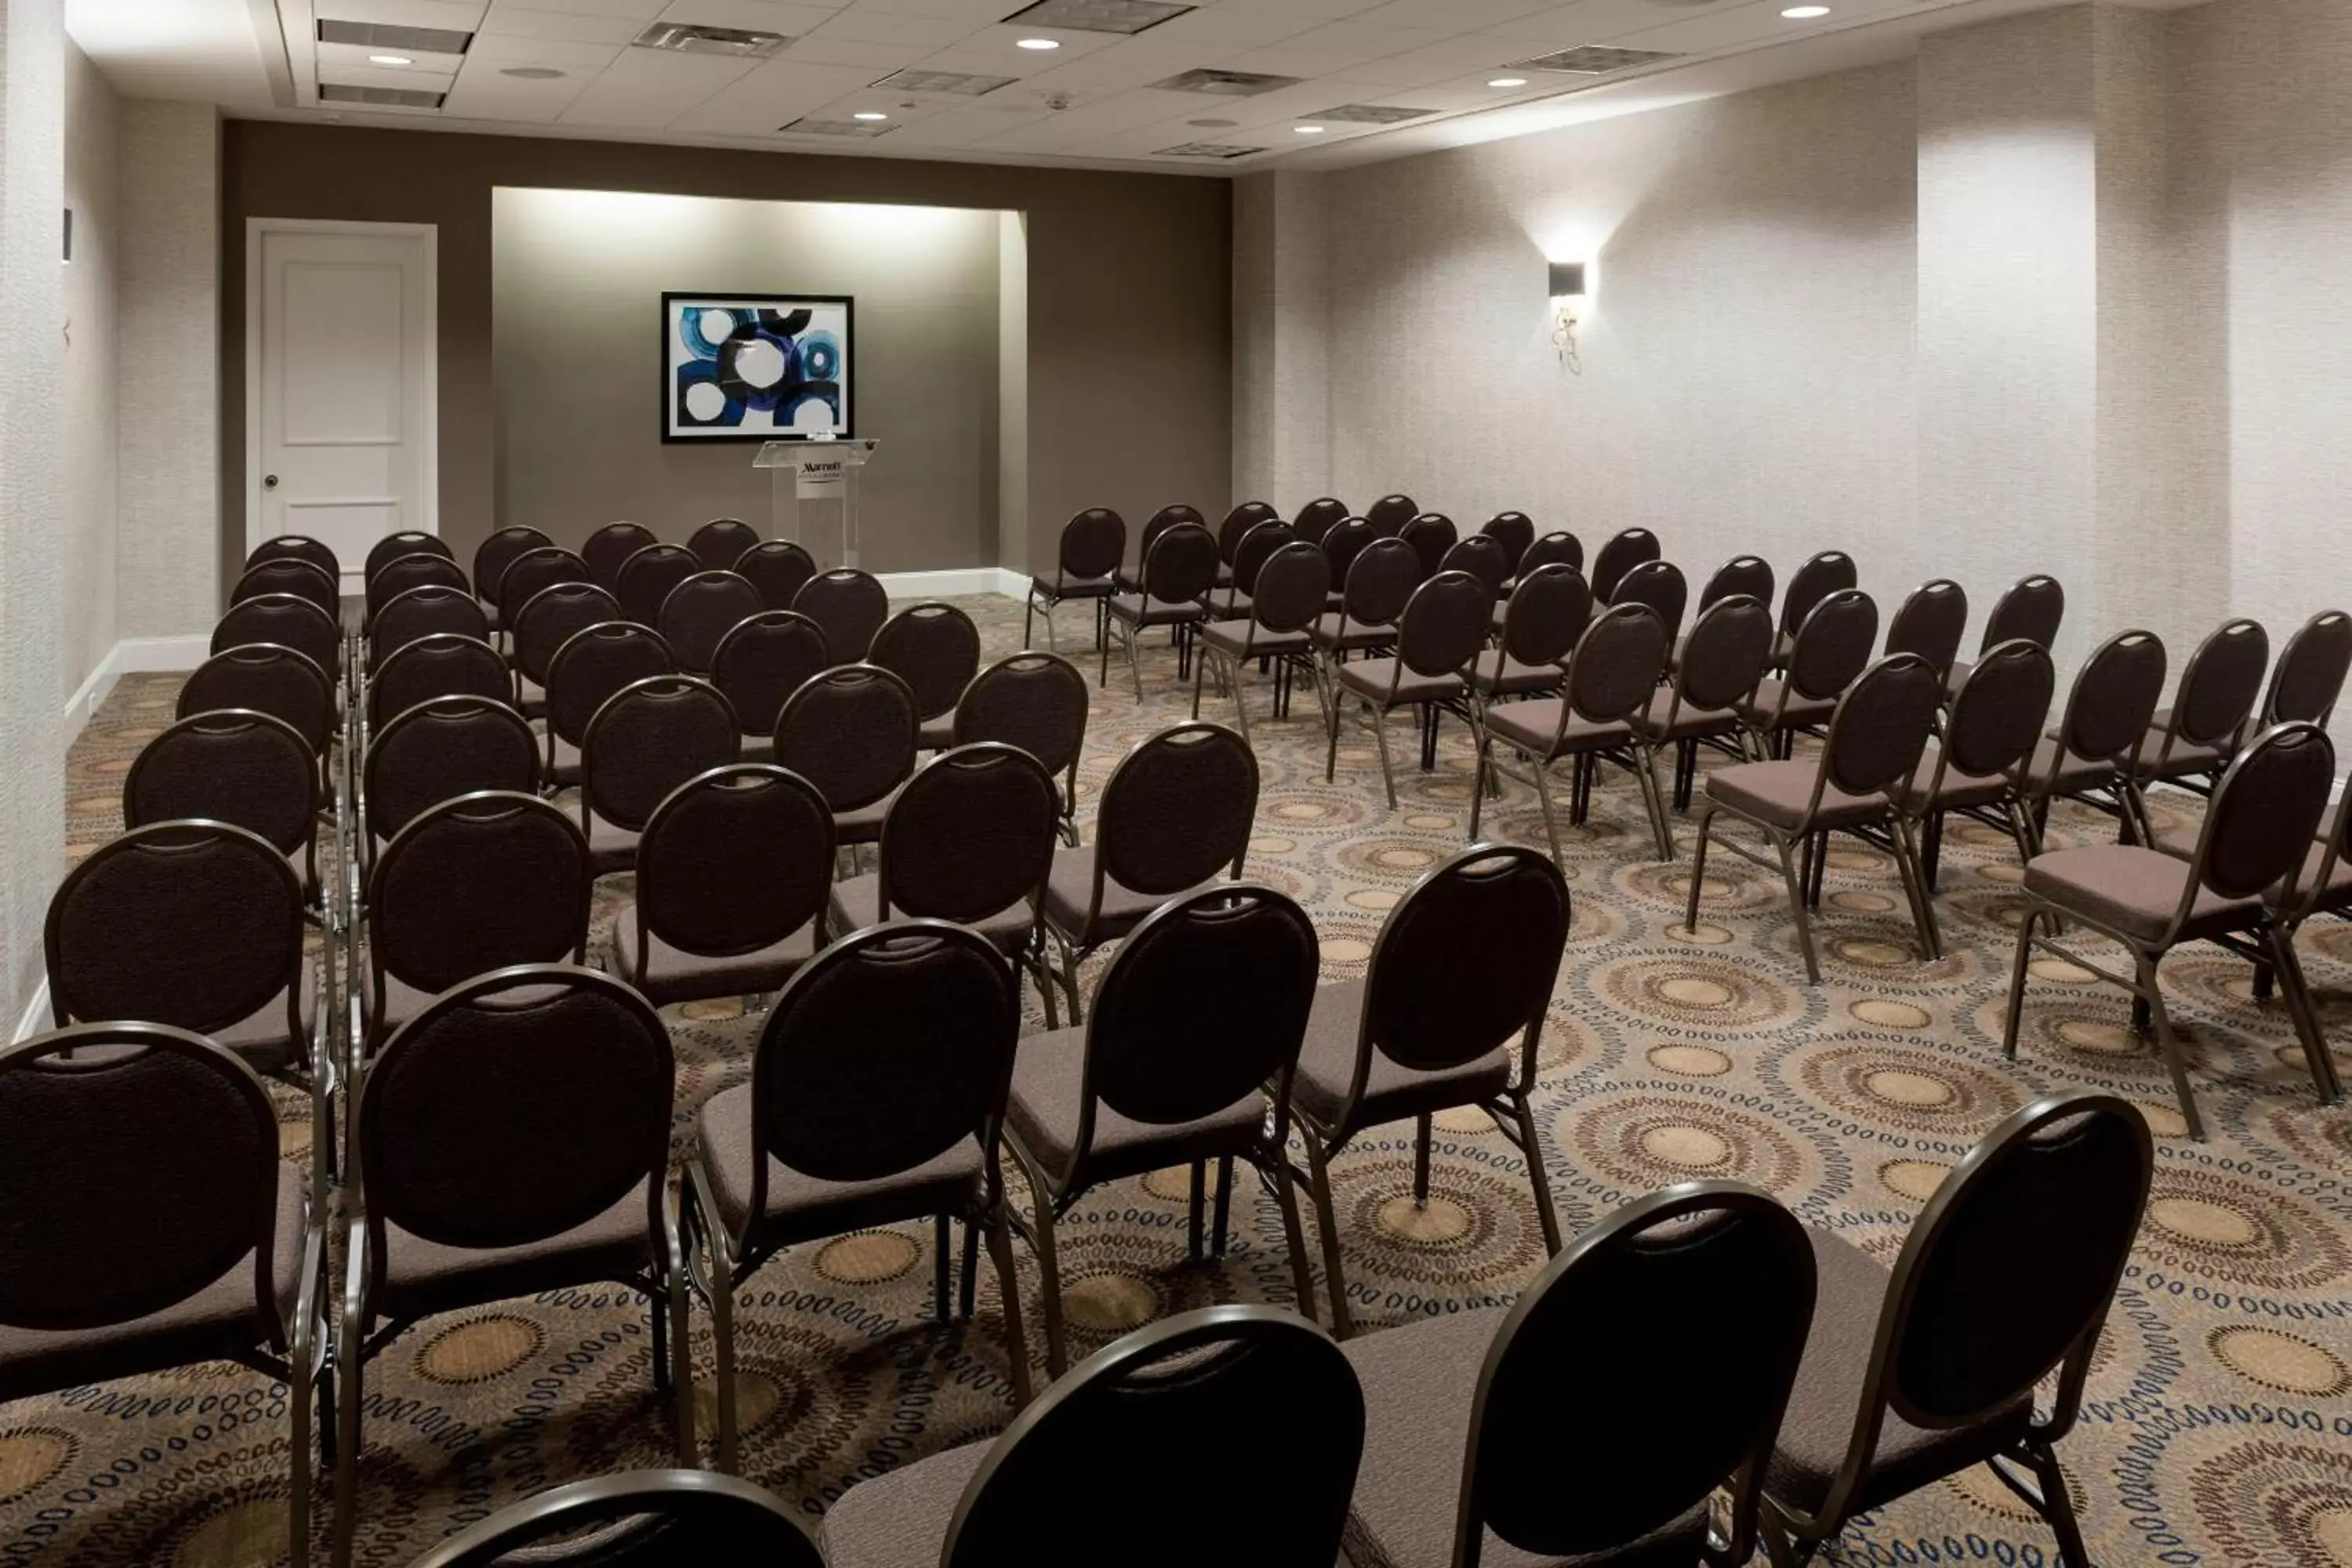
pixel 779 308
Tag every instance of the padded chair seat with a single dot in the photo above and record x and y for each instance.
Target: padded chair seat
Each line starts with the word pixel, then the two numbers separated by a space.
pixel 899 1519
pixel 858 903
pixel 1688 722
pixel 1370 678
pixel 1326 1064
pixel 674 974
pixel 1776 794
pixel 1801 712
pixel 611 846
pixel 1517 679
pixel 1073 588
pixel 1958 789
pixel 757 748
pixel 530 697
pixel 1136 611
pixel 1071 884
pixel 422 1276
pixel 937 735
pixel 1327 633
pixel 801 1206
pixel 1819 1426
pixel 1234 637
pixel 217 1323
pixel 864 824
pixel 1955 678
pixel 402 1002
pixel 563 770
pixel 1534 725
pixel 2077 775
pixel 1049 1077
pixel 2133 890
pixel 2187 760
pixel 1420 1382
pixel 262 1038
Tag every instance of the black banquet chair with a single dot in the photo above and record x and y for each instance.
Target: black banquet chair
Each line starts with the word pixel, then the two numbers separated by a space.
pixel 1036 701
pixel 404 541
pixel 849 605
pixel 496 552
pixel 646 579
pixel 648 738
pixel 605 550
pixel 301 547
pixel 236 766
pixel 420 612
pixel 721 542
pixel 267 678
pixel 1086 566
pixel 777 567
pixel 1618 554
pixel 700 611
pixel 290 574
pixel 758 666
pixel 637 1519
pixel 287 619
pixel 933 647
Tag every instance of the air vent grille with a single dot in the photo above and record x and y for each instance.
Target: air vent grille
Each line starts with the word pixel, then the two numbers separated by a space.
pixel 1226 84
pixel 832 128
pixel 1206 150
pixel 1098 15
pixel 1594 59
pixel 689 39
pixel 384 35
pixel 1371 114
pixel 953 82
pixel 379 97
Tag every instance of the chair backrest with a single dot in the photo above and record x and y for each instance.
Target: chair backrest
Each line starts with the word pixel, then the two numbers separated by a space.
pixel 494 554
pixel 1058 1485
pixel 1177 811
pixel 637 1519
pixel 1704 1295
pixel 440 750
pixel 268 679
pixel 1726 653
pixel 734 860
pixel 2007 1275
pixel 2000 709
pixel 1558 546
pixel 933 647
pixel 1206 1001
pixel 423 612
pixel 1748 574
pixel 647 578
pixel 1929 622
pixel 2265 811
pixel 1380 582
pixel 2220 683
pixel 298 547
pixel 609 546
pixel 1445 624
pixel 2032 607
pixel 231 765
pixel 405 542
pixel 1547 611
pixel 1828 572
pixel 593 663
pixel 1180 564
pixel 1318 517
pixel 1160 523
pixel 534 572
pixel 889 1048
pixel 1617 664
pixel 1483 556
pixel 2112 700
pixel 850 606
pixel 414 570
pixel 194 925
pixel 648 738
pixel 182 1184
pixel 1881 724
pixel 971 834
pixel 701 610
pixel 1389 514
pixel 1036 701
pixel 441 665
pixel 1430 534
pixel 1237 525
pixel 777 567
pixel 1514 531
pixel 1342 543
pixel 476 884
pixel 290 574
pixel 763 660
pixel 1832 643
pixel 1287 592
pixel 552 617
pixel 289 621
pixel 853 732
pixel 2309 674
pixel 1256 548
pixel 721 542
pixel 515 1106
pixel 1466 961
pixel 1659 584
pixel 1093 544
pixel 1619 553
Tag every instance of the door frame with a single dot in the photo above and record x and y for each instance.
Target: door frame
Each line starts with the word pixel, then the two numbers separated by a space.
pixel 428 518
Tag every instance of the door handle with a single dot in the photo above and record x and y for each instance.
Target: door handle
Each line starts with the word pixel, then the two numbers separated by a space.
pixel 270 481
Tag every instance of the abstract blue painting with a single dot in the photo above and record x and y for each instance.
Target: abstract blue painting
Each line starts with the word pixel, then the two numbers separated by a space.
pixel 739 367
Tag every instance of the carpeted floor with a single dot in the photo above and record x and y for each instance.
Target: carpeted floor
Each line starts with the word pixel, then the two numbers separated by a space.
pixel 2218 1427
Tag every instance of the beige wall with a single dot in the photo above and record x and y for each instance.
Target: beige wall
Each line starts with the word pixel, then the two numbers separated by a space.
pixel 1129 399
pixel 576 282
pixel 89 392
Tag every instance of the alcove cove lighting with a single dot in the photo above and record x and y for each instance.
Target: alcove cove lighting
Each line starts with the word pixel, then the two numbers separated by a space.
pixel 1805 13
pixel 1039 44
pixel 870 115
pixel 1509 81
pixel 1308 130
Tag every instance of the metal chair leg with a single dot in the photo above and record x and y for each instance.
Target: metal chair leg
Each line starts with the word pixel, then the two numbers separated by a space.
pixel 2017 979
pixel 2058 1506
pixel 2174 1063
pixel 1220 1217
pixel 1543 802
pixel 1008 1285
pixel 1193 1216
pixel 2298 991
pixel 1797 906
pixel 1380 738
pixel 1277 1177
pixel 1420 1136
pixel 1531 1145
pixel 1698 867
pixel 1335 1280
pixel 1049 1268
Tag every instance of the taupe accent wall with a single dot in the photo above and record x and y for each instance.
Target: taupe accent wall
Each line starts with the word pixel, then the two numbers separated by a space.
pixel 1128 366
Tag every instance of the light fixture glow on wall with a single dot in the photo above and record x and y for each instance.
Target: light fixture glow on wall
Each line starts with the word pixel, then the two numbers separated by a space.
pixel 1567 300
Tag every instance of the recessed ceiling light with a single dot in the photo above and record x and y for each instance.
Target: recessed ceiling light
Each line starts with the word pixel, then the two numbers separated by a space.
pixel 1805 13
pixel 532 73
pixel 1509 81
pixel 869 114
pixel 1039 44
pixel 1308 130
pixel 390 60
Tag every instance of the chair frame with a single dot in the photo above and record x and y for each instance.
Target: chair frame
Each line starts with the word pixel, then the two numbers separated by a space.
pixel 1232 666
pixel 1066 585
pixel 1066 780
pixel 1373 709
pixel 723 1502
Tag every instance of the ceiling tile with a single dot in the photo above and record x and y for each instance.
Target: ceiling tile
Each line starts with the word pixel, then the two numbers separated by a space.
pixel 481 93
pixel 638 10
pixel 647 87
pixel 503 50
pixel 755 16
pixel 862 26
pixel 524 22
pixel 1453 16
pixel 462 15
pixel 875 59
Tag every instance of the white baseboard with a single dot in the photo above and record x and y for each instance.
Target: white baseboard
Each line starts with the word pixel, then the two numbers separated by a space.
pixel 34 1019
pixel 90 694
pixel 946 585
pixel 131 656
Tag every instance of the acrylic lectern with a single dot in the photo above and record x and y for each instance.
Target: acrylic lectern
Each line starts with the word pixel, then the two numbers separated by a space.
pixel 811 479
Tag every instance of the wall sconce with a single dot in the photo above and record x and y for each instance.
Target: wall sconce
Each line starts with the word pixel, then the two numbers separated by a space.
pixel 1567 300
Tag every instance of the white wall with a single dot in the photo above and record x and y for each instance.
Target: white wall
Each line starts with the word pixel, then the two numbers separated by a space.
pixel 88 389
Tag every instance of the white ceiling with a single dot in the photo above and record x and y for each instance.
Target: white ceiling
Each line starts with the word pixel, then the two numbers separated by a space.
pixel 1089 101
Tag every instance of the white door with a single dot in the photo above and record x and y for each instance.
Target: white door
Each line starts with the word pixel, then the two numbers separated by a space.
pixel 340 398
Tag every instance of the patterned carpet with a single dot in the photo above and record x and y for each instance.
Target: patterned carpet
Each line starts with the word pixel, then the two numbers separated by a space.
pixel 2218 1427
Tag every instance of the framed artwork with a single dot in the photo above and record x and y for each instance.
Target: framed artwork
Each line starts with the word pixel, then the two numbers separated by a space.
pixel 755 367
